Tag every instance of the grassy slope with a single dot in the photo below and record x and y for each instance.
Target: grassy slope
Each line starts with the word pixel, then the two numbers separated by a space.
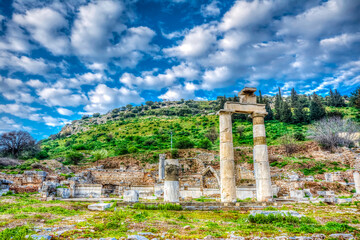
pixel 152 133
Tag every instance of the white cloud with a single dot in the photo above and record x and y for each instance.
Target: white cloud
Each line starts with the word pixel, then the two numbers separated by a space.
pixel 180 92
pixel 35 83
pixel 45 26
pixel 23 63
pixel 343 40
pixel 15 90
pixel 99 34
pixel 54 122
pixel 150 81
pixel 210 10
pixel 326 18
pixel 61 97
pixel 88 78
pixel 245 14
pixel 197 43
pixel 64 111
pixel 216 78
pixel 7 124
pixel 22 111
pixel 104 98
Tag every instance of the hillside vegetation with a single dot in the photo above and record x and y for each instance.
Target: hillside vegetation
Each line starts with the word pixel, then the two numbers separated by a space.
pixel 193 124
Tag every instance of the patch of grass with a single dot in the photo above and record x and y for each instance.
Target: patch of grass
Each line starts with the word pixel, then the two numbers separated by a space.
pixel 17 233
pixel 167 206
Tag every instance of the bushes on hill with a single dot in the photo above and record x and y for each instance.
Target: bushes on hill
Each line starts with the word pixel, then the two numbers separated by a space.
pixel 183 143
pixel 73 158
pixel 205 144
pixel 333 132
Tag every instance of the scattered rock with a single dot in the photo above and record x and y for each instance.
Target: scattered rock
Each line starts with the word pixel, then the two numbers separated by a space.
pixel 41 237
pixel 99 206
pixel 281 212
pixel 136 237
pixel 187 227
pixel 342 236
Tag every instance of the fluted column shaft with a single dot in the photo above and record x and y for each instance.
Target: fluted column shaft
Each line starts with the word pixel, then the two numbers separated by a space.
pixel 261 159
pixel 227 165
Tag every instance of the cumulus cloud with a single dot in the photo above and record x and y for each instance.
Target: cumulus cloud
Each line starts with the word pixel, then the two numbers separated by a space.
pixel 61 97
pixel 211 9
pixel 8 124
pixel 180 92
pixel 45 26
pixel 150 81
pixel 196 43
pixel 103 98
pixel 216 78
pixel 99 34
pixel 22 111
pixel 64 111
pixel 15 90
pixel 23 63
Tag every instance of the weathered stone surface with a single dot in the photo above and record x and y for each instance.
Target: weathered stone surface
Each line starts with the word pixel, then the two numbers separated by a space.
pixel 356 176
pixel 136 237
pixel 99 206
pixel 171 191
pixel 131 196
pixel 227 165
pixel 63 192
pixel 162 166
pixel 41 237
pixel 342 236
pixel 297 194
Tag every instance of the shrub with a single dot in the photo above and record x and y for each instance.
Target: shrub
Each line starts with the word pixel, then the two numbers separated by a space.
pixel 132 149
pixel 333 132
pixel 166 206
pixel 289 143
pixel 205 144
pixel 79 147
pixel 100 154
pixel 96 114
pixel 42 155
pixel 19 232
pixel 174 153
pixel 183 143
pixel 121 150
pixel 299 136
pixel 74 158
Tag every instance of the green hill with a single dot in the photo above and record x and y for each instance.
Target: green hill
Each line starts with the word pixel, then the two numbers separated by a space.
pixel 147 128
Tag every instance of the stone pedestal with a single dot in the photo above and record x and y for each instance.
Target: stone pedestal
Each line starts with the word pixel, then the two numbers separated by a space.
pixel 131 196
pixel 161 166
pixel 261 159
pixel 356 175
pixel 171 184
pixel 227 165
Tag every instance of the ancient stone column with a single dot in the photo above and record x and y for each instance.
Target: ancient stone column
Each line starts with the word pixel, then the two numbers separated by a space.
pixel 356 175
pixel 227 165
pixel 171 184
pixel 161 166
pixel 261 159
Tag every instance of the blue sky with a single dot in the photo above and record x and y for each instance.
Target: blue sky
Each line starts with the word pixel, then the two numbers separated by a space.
pixel 62 59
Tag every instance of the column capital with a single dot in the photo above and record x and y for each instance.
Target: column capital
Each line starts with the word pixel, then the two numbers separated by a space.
pixel 258 114
pixel 224 111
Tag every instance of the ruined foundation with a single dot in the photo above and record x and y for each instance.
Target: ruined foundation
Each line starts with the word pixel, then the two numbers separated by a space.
pixel 171 184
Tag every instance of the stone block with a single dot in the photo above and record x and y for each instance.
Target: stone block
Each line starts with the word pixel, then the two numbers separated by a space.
pixel 63 192
pixel 294 177
pixel 328 177
pixel 99 206
pixel 343 200
pixel 131 196
pixel 41 237
pixel 297 194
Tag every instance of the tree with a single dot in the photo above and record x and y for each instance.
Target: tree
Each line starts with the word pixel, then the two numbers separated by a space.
pixel 294 98
pixel 270 115
pixel 240 130
pixel 317 110
pixel 16 142
pixel 74 158
pixel 149 103
pixel 260 98
pixel 355 98
pixel 129 107
pixel 335 99
pixel 212 135
pixel 285 113
pixel 278 102
pixel 300 115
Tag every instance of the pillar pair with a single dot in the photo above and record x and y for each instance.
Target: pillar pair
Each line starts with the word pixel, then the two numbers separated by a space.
pixel 260 154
